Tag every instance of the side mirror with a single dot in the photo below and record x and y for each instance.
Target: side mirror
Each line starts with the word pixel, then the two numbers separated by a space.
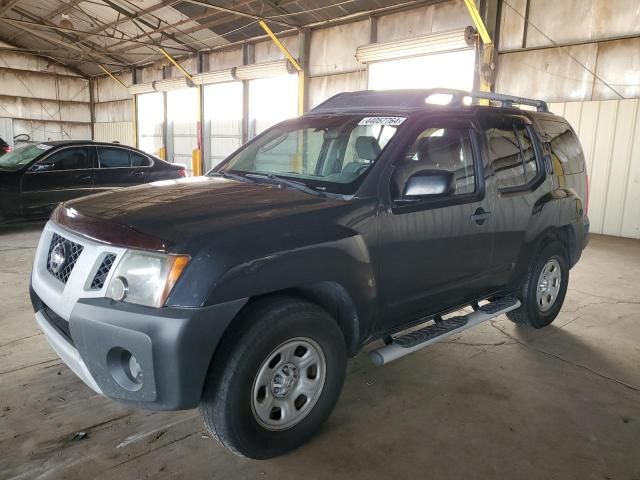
pixel 429 183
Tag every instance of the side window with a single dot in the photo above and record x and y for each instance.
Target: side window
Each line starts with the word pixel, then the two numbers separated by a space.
pixel 113 157
pixel 565 147
pixel 513 156
pixel 138 160
pixel 67 159
pixel 440 149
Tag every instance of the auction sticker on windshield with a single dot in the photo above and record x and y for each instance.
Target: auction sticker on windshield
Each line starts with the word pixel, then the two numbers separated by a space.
pixel 395 121
pixel 43 146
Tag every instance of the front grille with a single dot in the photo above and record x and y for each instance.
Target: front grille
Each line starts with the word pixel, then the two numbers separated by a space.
pixel 61 262
pixel 101 275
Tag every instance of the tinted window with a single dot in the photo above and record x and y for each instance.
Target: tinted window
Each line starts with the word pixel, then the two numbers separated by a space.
pixel 138 160
pixel 67 159
pixel 447 149
pixel 513 157
pixel 565 147
pixel 113 157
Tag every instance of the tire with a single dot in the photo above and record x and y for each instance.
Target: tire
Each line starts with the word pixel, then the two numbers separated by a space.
pixel 243 377
pixel 539 311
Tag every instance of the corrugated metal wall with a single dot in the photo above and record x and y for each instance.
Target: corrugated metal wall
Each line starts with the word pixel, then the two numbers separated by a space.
pixel 114 132
pixel 46 102
pixel 610 135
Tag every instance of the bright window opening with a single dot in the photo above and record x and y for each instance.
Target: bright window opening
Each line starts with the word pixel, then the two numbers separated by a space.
pixel 446 70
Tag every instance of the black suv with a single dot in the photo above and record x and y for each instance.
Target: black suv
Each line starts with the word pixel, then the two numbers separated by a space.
pixel 244 291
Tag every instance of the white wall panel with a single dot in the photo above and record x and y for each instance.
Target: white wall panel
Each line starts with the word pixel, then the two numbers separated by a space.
pixel 549 74
pixel 120 111
pixel 121 132
pixel 321 88
pixel 610 135
pixel 578 20
pixel 47 110
pixel 44 131
pixel 332 50
pixel 267 50
pixel 512 24
pixel 223 59
pixel 108 90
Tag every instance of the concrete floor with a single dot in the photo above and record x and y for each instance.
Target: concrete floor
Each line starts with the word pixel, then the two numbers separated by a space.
pixel 497 401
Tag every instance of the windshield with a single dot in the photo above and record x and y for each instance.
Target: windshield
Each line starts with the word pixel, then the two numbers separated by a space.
pixel 328 154
pixel 22 156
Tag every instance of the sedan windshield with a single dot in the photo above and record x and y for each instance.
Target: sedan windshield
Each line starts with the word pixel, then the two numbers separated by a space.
pixel 328 154
pixel 22 156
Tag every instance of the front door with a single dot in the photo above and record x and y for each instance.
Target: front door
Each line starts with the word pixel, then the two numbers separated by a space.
pixel 437 243
pixel 61 176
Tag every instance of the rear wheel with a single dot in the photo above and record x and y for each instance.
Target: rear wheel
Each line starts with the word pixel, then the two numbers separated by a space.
pixel 545 287
pixel 275 379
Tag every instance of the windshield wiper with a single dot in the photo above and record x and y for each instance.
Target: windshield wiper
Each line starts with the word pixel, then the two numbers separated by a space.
pixel 303 187
pixel 232 176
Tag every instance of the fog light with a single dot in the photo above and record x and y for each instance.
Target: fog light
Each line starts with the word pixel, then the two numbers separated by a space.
pixel 135 372
pixel 125 369
pixel 118 289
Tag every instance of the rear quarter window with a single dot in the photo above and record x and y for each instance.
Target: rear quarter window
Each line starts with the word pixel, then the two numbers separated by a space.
pixel 138 160
pixel 564 144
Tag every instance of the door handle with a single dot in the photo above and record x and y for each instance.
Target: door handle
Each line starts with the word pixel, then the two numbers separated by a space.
pixel 84 178
pixel 480 215
pixel 138 173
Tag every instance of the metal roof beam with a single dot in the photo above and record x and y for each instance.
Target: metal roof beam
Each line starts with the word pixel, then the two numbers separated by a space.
pixel 239 13
pixel 90 47
pixel 5 7
pixel 133 17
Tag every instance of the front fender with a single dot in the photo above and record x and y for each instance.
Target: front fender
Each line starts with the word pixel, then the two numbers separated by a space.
pixel 345 261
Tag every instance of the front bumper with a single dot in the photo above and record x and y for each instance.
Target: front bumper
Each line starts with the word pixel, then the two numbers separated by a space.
pixel 173 348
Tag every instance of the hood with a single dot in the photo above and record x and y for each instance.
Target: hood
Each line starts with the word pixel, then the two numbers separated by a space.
pixel 178 210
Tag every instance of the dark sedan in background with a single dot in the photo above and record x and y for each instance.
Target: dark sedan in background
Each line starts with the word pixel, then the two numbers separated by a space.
pixel 4 147
pixel 34 178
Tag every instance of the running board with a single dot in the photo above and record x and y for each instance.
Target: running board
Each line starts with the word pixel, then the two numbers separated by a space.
pixel 412 341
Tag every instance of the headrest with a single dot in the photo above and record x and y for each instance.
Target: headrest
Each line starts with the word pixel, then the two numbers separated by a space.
pixel 367 148
pixel 440 151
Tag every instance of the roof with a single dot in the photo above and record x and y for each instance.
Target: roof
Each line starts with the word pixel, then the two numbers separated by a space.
pixel 124 33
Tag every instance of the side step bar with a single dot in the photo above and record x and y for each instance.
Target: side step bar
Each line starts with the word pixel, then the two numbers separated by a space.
pixel 410 342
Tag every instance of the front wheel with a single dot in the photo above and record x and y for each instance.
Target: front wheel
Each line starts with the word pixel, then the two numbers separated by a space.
pixel 275 378
pixel 545 287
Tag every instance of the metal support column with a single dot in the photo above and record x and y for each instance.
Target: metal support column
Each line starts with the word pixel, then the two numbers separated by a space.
pixel 248 57
pixel 487 47
pixel 92 107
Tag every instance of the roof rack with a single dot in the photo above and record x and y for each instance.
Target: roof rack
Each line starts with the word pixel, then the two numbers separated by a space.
pixel 403 99
pixel 509 100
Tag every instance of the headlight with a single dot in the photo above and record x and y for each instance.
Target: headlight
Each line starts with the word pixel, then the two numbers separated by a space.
pixel 146 278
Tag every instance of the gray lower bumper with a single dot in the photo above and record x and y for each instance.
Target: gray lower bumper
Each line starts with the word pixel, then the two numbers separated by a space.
pixel 66 351
pixel 172 347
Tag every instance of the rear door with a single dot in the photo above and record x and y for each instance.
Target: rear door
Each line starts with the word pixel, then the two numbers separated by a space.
pixel 517 162
pixel 119 167
pixel 62 175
